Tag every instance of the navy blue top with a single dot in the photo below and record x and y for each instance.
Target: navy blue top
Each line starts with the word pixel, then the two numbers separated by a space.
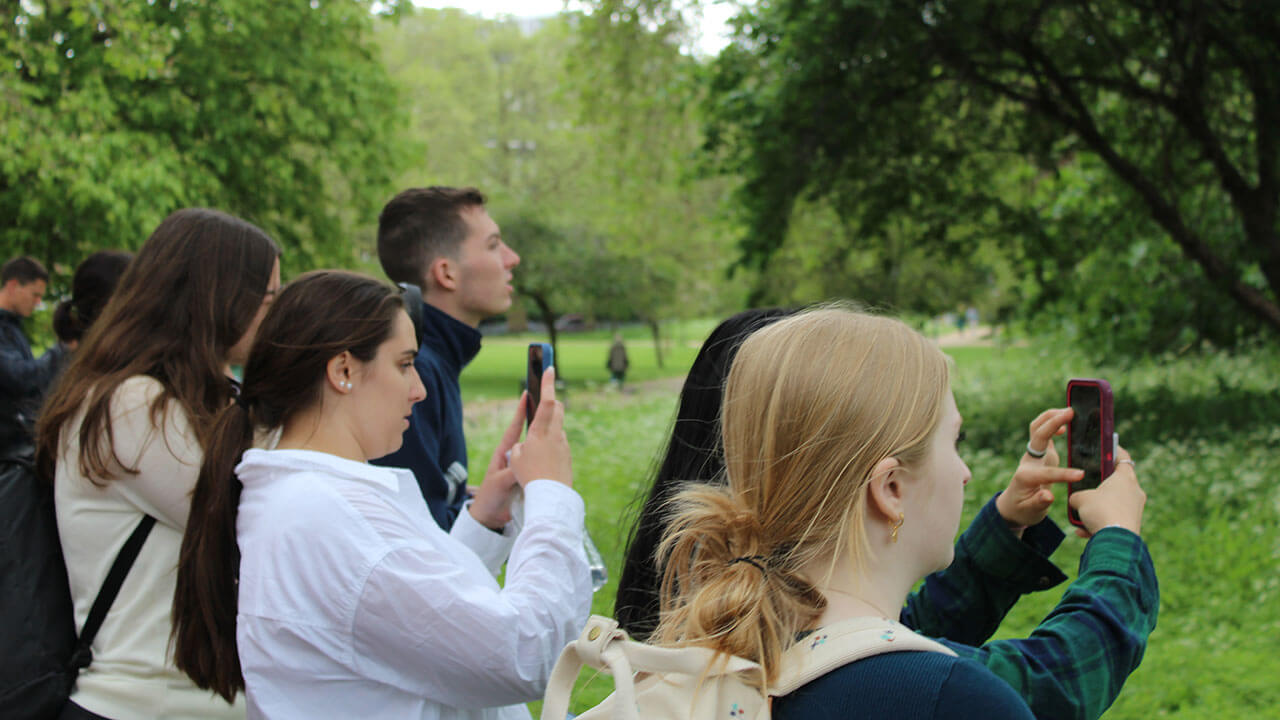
pixel 23 379
pixel 902 685
pixel 434 446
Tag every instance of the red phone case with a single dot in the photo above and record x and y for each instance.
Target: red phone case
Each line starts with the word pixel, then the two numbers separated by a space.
pixel 1106 440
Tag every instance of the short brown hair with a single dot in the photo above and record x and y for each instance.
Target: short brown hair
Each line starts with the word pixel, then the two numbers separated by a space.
pixel 25 269
pixel 420 225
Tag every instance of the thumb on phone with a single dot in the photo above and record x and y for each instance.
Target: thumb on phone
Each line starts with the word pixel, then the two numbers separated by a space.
pixel 1118 501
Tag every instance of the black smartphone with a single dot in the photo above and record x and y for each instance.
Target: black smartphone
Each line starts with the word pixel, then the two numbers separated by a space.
pixel 1090 436
pixel 541 357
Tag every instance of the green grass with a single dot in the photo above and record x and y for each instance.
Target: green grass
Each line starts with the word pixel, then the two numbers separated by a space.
pixel 498 371
pixel 1203 429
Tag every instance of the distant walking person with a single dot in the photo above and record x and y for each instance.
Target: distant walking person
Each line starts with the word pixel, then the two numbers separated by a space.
pixel 618 362
pixel 23 377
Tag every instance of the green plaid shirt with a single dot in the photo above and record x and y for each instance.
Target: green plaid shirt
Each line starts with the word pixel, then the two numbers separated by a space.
pixel 991 570
pixel 1075 662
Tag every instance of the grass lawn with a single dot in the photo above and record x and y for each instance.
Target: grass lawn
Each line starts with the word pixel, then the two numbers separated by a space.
pixel 1204 431
pixel 498 371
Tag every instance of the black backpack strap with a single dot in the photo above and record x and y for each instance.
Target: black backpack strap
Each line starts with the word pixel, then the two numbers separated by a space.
pixel 83 655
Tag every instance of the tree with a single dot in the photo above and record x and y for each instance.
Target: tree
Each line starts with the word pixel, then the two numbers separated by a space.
pixel 590 183
pixel 924 110
pixel 115 114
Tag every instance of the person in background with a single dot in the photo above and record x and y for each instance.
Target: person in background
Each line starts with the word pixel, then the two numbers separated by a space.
pixel 23 377
pixel 91 286
pixel 443 240
pixel 617 362
pixel 121 437
pixel 844 489
pixel 318 583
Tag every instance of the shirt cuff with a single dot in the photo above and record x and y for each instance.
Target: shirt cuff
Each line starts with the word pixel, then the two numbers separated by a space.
pixel 548 501
pixel 1021 563
pixel 1115 551
pixel 492 548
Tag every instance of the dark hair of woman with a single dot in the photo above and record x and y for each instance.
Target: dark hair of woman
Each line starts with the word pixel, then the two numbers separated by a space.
pixel 693 454
pixel 189 295
pixel 91 287
pixel 316 317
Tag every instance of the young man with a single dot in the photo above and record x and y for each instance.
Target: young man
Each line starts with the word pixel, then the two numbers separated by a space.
pixel 442 240
pixel 23 377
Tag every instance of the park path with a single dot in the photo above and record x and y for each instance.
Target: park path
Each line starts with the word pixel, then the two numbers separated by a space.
pixel 488 413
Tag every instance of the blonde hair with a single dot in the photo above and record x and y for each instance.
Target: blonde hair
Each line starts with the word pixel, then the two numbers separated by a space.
pixel 811 405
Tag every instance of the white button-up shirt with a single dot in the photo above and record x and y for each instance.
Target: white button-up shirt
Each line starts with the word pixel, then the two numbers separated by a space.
pixel 353 603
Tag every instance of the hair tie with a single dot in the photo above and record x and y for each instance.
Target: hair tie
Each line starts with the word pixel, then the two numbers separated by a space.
pixel 753 560
pixel 237 394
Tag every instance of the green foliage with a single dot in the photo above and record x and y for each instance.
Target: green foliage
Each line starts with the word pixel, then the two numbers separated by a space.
pixel 1203 431
pixel 1035 153
pixel 587 178
pixel 117 114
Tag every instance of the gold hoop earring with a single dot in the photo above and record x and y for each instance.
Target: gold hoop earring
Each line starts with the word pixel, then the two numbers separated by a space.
pixel 893 534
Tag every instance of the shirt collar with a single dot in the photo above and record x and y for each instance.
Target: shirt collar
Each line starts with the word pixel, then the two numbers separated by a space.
pixel 453 340
pixel 260 464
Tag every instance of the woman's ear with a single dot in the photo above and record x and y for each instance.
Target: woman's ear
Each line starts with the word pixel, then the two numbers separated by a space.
pixel 339 372
pixel 885 489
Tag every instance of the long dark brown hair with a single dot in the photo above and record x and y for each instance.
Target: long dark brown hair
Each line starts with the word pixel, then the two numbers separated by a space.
pixel 184 301
pixel 318 316
pixel 693 456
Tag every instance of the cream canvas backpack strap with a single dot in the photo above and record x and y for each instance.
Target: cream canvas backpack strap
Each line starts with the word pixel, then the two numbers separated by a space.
pixel 605 646
pixel 839 644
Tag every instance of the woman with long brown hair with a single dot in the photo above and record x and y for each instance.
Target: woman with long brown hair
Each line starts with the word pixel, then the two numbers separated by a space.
pixel 319 585
pixel 123 434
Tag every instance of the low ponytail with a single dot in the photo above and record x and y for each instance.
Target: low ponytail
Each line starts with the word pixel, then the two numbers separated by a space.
pixel 205 600
pixel 319 315
pixel 812 403
pixel 727 584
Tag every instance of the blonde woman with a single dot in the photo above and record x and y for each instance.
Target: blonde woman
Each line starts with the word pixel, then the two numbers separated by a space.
pixel 845 488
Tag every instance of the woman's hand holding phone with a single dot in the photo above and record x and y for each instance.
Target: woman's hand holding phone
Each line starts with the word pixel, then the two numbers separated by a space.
pixel 491 505
pixel 1118 501
pixel 545 452
pixel 1029 496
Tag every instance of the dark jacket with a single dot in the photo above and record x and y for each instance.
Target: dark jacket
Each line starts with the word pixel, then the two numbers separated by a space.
pixel 23 381
pixel 434 447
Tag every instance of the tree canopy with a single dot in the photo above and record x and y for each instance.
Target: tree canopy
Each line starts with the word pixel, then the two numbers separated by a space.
pixel 116 114
pixel 589 177
pixel 1105 147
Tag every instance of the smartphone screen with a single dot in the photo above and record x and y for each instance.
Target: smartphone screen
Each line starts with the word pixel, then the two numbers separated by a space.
pixel 1084 437
pixel 539 360
pixel 1090 438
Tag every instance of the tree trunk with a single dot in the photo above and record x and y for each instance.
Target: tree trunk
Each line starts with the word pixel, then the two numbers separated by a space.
pixel 656 329
pixel 549 319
